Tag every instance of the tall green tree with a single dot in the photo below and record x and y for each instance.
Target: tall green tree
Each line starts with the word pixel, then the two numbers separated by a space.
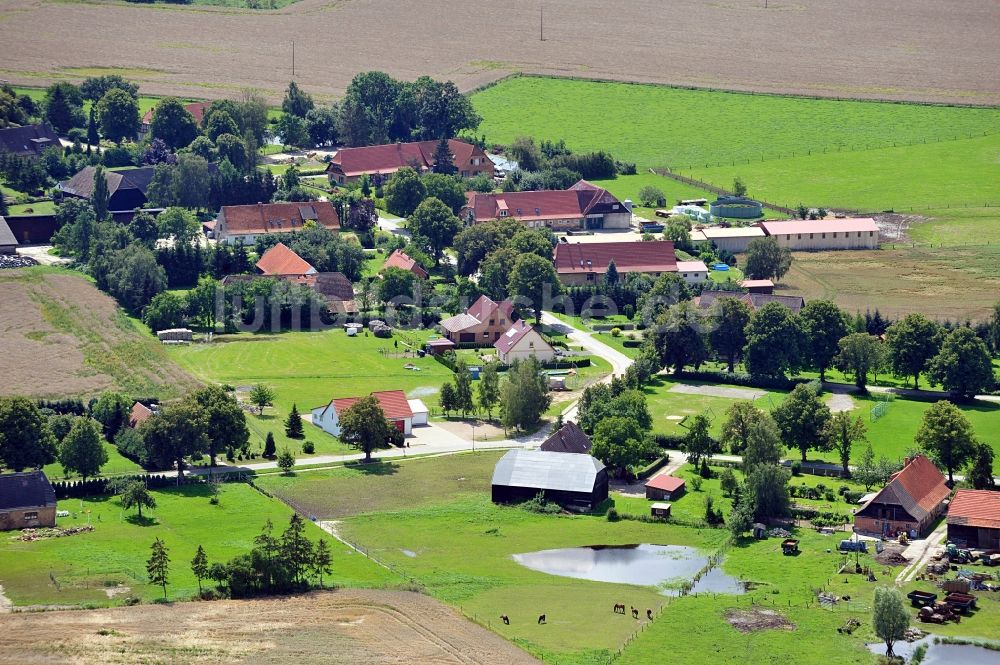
pixel 698 442
pixel 803 420
pixel 913 341
pixel 322 562
pixel 463 388
pixel 199 566
pixel 134 493
pixel 620 443
pixel 727 336
pixel 679 337
pixel 293 424
pixel 158 566
pixel 226 424
pixel 82 451
pixel 95 87
pixel 981 468
pixel 444 161
pixel 296 549
pixel 489 389
pixel 100 196
pixel 534 281
pixel 63 106
pixel 763 444
pixel 25 439
pixel 434 224
pixel 396 286
pixel 118 114
pixel 269 447
pixel 890 618
pixel 449 188
pixel 766 259
pixel 134 277
pixel 261 396
pixel 173 124
pixel 286 460
pixel 93 137
pixel 177 432
pixel 993 329
pixel 845 431
pixel 524 395
pixel 404 192
pixel 363 425
pixel 112 411
pixel 963 365
pixel 946 435
pixel 775 342
pixel 166 310
pixel 825 324
pixel 860 354
pixel 767 490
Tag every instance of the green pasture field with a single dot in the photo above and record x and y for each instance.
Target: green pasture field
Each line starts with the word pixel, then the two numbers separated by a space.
pixel 39 208
pixel 658 126
pixel 955 227
pixel 115 553
pixel 117 465
pixel 913 178
pixel 309 369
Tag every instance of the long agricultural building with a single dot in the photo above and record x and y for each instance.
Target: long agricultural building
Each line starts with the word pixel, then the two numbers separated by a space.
pixel 824 234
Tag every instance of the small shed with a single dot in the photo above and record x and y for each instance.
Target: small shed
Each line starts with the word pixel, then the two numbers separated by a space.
pixel 759 531
pixel 664 488
pixel 419 410
pixel 661 510
pixel 8 243
pixel 436 347
pixel 764 286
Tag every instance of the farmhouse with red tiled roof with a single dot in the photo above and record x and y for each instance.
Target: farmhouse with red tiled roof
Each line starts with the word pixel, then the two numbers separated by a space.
pixel 582 206
pixel 244 223
pixel 403 261
pixel 280 260
pixel 140 413
pixel 381 161
pixel 974 519
pixel 397 409
pixel 582 263
pixel 912 500
pixel 482 323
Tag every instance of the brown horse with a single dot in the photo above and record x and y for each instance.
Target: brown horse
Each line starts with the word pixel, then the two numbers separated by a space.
pixel 649 614
pixel 620 608
pixel 635 613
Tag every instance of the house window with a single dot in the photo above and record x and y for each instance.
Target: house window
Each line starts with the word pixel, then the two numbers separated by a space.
pixel 590 277
pixel 486 334
pixel 834 234
pixel 800 236
pixel 871 233
pixel 32 515
pixel 492 321
pixel 503 213
pixel 824 235
pixel 810 236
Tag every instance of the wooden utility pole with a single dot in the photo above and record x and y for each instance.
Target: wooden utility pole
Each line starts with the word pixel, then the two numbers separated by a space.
pixel 293 59
pixel 541 23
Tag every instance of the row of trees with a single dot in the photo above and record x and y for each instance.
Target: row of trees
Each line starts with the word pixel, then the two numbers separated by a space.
pixel 522 394
pixel 276 564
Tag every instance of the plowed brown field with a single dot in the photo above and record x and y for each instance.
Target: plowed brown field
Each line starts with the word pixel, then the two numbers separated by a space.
pixel 349 627
pixel 894 49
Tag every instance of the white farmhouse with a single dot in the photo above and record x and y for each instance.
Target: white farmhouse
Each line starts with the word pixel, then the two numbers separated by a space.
pixel 394 404
pixel 521 342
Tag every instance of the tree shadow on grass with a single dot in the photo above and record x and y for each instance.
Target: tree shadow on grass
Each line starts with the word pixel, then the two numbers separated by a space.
pixel 375 468
pixel 145 520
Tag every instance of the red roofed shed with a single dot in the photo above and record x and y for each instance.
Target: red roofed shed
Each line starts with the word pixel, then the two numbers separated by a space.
pixel 974 519
pixel 664 488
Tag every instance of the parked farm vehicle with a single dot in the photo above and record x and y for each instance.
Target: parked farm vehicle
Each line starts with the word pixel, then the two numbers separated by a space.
pixel 853 546
pixel 790 546
pixel 922 598
pixel 961 602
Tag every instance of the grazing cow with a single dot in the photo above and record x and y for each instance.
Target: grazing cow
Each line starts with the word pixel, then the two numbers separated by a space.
pixel 649 614
pixel 635 613
pixel 541 618
pixel 505 619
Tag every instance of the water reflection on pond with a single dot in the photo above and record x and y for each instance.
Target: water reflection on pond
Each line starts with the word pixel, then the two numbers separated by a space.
pixel 664 566
pixel 941 654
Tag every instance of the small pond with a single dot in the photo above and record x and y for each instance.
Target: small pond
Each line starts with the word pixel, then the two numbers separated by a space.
pixel 941 654
pixel 664 566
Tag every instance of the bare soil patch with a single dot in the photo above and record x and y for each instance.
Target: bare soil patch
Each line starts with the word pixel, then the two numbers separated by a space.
pixel 749 621
pixel 213 52
pixel 840 402
pixel 372 627
pixel 718 391
pixel 63 337
pixel 892 555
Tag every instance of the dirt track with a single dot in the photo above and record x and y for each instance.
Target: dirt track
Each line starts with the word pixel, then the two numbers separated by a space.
pixel 900 49
pixel 350 626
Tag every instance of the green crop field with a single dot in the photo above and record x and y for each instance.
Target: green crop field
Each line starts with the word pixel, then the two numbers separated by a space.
pixel 660 126
pixel 86 565
pixel 913 178
pixel 309 369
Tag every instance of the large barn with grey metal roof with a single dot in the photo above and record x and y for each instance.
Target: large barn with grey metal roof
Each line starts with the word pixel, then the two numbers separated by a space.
pixel 574 481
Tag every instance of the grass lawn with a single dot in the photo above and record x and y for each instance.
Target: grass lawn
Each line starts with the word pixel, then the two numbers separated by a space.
pixel 669 408
pixel 661 126
pixel 309 369
pixel 957 227
pixel 84 565
pixel 906 178
pixel 39 208
pixel 117 465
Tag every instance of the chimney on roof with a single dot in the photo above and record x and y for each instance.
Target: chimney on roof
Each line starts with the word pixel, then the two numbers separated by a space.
pixel 590 264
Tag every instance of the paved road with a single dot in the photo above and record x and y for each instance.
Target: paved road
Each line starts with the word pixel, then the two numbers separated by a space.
pixel 618 360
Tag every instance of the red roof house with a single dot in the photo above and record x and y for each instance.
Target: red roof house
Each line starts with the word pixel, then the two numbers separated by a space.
pixel 244 223
pixel 522 342
pixel 913 499
pixel 400 259
pixel 393 402
pixel 140 413
pixel 280 260
pixel 349 164
pixel 581 263
pixel 664 488
pixel 197 109
pixel 482 323
pixel 582 206
pixel 974 519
